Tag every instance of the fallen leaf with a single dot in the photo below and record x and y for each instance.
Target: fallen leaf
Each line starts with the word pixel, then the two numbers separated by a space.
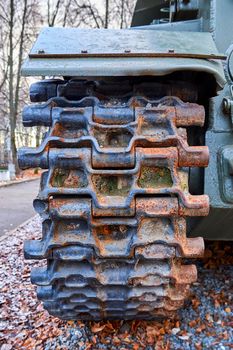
pixel 97 328
pixel 192 323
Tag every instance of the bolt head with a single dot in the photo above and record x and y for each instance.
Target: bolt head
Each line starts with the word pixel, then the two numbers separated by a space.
pixel 226 105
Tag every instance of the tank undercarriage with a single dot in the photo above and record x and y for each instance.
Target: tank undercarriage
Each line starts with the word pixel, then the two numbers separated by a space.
pixel 115 197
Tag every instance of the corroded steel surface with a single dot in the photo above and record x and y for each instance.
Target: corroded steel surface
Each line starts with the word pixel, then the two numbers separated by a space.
pixel 76 89
pixel 110 130
pixel 130 54
pixel 113 203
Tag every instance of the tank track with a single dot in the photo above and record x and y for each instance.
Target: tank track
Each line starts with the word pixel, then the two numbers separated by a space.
pixel 114 202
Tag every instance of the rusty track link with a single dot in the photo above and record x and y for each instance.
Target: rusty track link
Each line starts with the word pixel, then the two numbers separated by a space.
pixel 155 232
pixel 110 130
pixel 76 89
pixel 113 203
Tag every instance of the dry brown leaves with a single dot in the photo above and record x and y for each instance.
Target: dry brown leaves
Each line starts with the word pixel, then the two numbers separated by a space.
pixel 217 254
pixel 25 325
pixel 28 173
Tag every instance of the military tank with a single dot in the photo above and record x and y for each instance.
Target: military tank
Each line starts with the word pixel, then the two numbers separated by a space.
pixel 138 157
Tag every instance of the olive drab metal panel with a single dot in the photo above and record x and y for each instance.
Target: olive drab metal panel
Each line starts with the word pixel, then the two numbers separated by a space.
pixel 96 52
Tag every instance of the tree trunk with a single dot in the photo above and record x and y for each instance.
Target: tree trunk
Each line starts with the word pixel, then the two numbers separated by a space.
pixel 14 80
pixel 12 147
pixel 122 13
pixel 106 13
pixel 38 135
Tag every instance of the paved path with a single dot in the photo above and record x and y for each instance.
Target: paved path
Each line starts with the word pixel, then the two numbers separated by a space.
pixel 16 204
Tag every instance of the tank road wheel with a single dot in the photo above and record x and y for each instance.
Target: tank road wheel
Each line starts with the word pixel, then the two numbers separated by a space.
pixel 114 202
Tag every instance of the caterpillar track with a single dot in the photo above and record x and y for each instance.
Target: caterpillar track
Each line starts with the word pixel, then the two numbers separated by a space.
pixel 114 197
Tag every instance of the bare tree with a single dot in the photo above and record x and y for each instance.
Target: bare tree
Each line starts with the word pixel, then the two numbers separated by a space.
pixel 123 10
pixel 87 14
pixel 15 27
pixel 73 13
pixel 14 76
pixel 52 14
